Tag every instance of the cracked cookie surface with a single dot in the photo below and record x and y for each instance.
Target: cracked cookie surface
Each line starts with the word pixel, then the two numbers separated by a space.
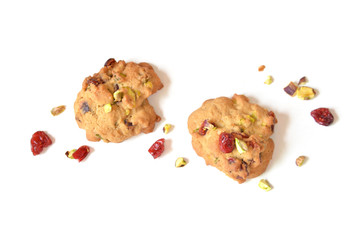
pixel 233 135
pixel 112 105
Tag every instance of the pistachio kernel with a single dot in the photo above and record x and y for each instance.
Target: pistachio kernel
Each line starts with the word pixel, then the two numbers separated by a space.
pixel 138 93
pixel 300 160
pixel 167 128
pixel 180 162
pixel 70 153
pixel 265 185
pixel 107 108
pixel 242 121
pixel 148 84
pixel 252 118
pixel 240 145
pixel 269 80
pixel 306 93
pixel 131 93
pixel 127 112
pixel 118 95
pixel 58 110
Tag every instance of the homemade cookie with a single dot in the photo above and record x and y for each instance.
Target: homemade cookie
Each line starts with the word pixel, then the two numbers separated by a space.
pixel 233 135
pixel 112 104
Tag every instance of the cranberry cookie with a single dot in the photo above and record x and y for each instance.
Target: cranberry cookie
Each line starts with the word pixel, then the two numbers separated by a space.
pixel 233 135
pixel 112 104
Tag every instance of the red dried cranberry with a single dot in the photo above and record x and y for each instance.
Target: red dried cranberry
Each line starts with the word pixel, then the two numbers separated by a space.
pixel 157 148
pixel 322 116
pixel 95 81
pixel 231 160
pixel 38 141
pixel 109 62
pixel 202 129
pixel 205 126
pixel 226 142
pixel 81 153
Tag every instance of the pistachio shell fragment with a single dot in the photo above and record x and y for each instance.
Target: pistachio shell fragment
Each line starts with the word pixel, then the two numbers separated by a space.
pixel 58 110
pixel 265 185
pixel 240 145
pixel 107 108
pixel 306 93
pixel 180 162
pixel 167 128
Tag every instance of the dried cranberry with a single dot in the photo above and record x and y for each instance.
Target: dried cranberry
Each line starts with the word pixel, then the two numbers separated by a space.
pixel 95 81
pixel 81 153
pixel 116 87
pixel 322 116
pixel 85 107
pixel 202 129
pixel 205 126
pixel 38 141
pixel 127 123
pixel 109 62
pixel 226 142
pixel 157 148
pixel 231 160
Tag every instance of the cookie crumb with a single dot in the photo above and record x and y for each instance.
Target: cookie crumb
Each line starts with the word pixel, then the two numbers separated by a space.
pixel 58 110
pixel 261 68
pixel 300 161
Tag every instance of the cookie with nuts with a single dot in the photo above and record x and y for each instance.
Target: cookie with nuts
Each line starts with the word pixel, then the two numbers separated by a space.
pixel 112 105
pixel 233 135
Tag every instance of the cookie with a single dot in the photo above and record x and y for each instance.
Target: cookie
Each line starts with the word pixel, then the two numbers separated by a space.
pixel 233 135
pixel 112 105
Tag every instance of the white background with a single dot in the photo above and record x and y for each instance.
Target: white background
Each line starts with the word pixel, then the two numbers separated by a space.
pixel 200 50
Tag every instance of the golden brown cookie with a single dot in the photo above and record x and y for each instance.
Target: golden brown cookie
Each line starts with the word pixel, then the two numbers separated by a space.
pixel 233 135
pixel 112 104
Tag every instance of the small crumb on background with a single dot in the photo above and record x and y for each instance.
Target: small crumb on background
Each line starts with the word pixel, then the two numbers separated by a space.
pixel 261 68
